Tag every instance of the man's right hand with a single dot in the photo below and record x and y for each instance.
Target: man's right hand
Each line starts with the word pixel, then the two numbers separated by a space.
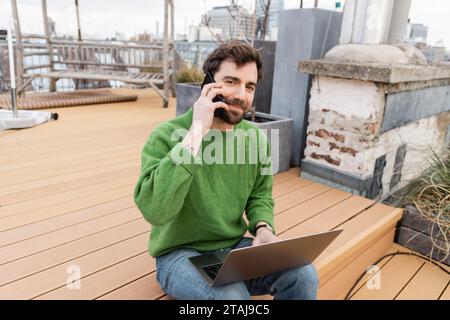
pixel 204 108
pixel 203 116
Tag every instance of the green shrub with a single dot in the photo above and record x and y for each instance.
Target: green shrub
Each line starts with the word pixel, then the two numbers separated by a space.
pixel 430 194
pixel 190 75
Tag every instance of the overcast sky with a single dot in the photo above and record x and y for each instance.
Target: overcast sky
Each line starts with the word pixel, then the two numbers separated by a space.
pixel 103 18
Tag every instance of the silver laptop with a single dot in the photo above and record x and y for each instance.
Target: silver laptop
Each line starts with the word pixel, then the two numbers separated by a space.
pixel 222 268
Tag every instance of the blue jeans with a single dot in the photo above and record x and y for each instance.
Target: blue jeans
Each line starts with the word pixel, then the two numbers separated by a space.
pixel 180 280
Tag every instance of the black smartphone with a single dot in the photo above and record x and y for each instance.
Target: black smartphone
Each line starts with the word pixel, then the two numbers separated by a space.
pixel 209 79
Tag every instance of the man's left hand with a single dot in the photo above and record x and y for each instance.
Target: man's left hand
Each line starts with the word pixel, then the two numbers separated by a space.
pixel 264 235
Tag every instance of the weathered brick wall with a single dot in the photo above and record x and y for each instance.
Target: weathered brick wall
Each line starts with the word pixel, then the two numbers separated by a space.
pixel 344 132
pixel 345 117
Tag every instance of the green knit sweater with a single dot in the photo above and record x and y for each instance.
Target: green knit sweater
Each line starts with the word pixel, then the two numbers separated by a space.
pixel 209 205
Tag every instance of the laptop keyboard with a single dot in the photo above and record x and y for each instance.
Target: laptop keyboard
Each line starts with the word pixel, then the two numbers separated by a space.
pixel 212 270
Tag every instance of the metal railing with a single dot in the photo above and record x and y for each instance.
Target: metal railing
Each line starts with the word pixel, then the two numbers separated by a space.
pixel 86 55
pixel 195 53
pixel 90 55
pixel 110 55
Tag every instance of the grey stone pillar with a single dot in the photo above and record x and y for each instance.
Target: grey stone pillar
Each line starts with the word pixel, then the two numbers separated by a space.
pixel 263 95
pixel 399 21
pixel 303 34
pixel 375 21
pixel 366 21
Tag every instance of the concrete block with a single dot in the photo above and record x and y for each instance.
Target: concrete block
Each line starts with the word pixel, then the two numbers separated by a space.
pixel 303 34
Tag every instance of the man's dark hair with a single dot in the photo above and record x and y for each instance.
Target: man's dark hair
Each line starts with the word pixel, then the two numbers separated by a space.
pixel 238 52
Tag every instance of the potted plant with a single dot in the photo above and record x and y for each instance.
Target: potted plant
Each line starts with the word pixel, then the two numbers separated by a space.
pixel 425 227
pixel 187 88
pixel 281 153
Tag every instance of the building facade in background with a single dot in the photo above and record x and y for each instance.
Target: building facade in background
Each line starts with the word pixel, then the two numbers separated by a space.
pixel 418 32
pixel 418 37
pixel 234 21
pixel 274 9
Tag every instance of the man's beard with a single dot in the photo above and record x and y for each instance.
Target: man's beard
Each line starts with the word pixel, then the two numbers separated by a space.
pixel 231 116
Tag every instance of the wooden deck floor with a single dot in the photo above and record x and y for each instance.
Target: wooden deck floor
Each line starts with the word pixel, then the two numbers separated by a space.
pixel 405 278
pixel 66 205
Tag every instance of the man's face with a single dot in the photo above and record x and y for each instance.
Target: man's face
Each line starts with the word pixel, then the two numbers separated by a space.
pixel 239 85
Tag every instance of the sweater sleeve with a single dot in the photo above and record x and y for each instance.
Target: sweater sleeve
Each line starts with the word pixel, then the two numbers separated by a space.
pixel 260 204
pixel 164 180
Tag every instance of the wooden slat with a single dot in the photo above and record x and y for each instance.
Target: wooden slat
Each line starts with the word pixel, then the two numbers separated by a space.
pixel 56 188
pixel 57 276
pixel 332 214
pixel 446 294
pixel 137 121
pixel 358 233
pixel 63 221
pixel 347 273
pixel 99 283
pixel 289 185
pixel 39 151
pixel 427 284
pixel 66 235
pixel 37 172
pixel 300 213
pixel 62 208
pixel 96 76
pixel 58 222
pixel 37 144
pixel 294 198
pixel 140 129
pixel 284 176
pixel 142 289
pixel 415 288
pixel 96 123
pixel 407 250
pixel 369 277
pixel 82 247
pixel 62 197
pixel 396 274
pixel 81 155
pixel 66 177
pixel 58 145
pixel 377 216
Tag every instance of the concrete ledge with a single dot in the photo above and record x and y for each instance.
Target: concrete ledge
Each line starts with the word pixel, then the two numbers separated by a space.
pixel 403 108
pixel 378 53
pixel 337 179
pixel 376 72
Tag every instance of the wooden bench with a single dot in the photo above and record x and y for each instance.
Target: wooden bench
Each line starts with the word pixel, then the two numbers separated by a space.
pixel 152 80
